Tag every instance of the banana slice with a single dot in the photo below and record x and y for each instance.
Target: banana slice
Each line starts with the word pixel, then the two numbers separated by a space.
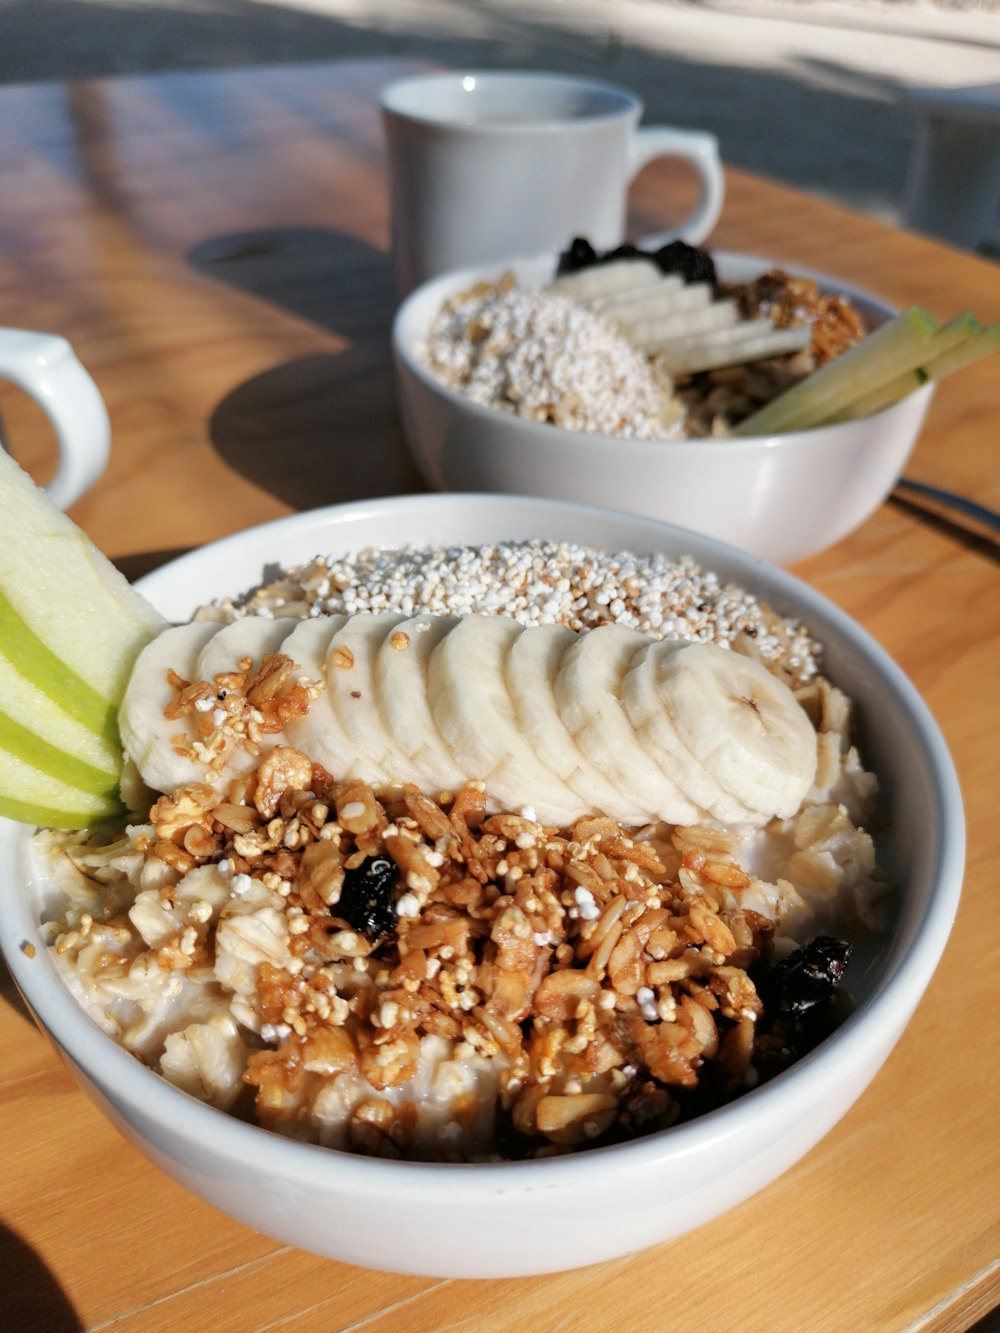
pixel 610 279
pixel 587 694
pixel 402 690
pixel 741 724
pixel 533 662
pixel 472 706
pixel 253 637
pixel 350 681
pixel 147 735
pixel 320 734
pixel 640 694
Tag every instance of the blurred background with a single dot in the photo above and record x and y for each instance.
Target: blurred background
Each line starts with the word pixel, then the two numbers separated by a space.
pixel 815 93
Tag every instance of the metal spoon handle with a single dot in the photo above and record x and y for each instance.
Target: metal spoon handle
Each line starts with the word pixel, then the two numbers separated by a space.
pixel 977 511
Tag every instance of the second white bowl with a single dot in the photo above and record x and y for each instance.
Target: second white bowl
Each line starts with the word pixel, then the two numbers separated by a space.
pixel 781 497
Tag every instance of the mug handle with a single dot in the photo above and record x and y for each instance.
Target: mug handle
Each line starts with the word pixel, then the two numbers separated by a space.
pixel 699 148
pixel 46 367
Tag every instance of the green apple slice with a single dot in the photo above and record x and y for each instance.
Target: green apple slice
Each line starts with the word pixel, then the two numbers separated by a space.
pixel 24 704
pixel 31 796
pixel 69 621
pixel 33 749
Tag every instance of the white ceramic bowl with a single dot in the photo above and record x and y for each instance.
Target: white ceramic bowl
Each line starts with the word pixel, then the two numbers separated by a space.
pixel 782 497
pixel 538 1216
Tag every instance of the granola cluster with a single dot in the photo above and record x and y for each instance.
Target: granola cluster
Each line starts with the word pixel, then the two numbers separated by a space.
pixel 565 987
pixel 716 399
pixel 237 708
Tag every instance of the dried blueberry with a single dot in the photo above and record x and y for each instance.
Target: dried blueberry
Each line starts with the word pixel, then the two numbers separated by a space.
pixel 622 252
pixel 809 976
pixel 579 254
pixel 692 264
pixel 368 898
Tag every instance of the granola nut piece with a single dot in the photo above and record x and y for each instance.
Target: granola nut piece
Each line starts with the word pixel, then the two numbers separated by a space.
pixel 561 994
pixel 386 1065
pixel 626 967
pixel 173 815
pixel 661 1046
pixel 270 678
pixel 712 929
pixel 281 769
pixel 329 1050
pixel 236 818
pixel 321 876
pixel 431 819
pixel 357 809
pixel 574 1118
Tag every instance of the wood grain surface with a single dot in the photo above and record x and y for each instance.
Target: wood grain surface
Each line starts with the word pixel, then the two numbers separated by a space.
pixel 214 245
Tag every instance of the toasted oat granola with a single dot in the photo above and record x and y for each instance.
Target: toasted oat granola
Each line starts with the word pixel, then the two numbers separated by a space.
pixel 408 977
pixel 588 978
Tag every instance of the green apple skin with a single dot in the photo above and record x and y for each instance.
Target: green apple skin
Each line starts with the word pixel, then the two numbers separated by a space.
pixel 37 752
pixel 24 812
pixel 32 659
pixel 69 621
pixel 23 705
pixel 31 796
pixel 71 627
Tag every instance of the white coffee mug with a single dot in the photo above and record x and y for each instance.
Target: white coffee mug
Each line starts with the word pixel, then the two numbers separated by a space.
pixel 489 165
pixel 46 367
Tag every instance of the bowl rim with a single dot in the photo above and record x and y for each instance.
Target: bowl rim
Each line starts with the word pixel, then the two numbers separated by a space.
pixel 891 1002
pixel 405 341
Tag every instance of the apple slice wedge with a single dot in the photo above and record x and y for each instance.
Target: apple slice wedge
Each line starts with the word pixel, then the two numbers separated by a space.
pixel 69 621
pixel 39 732
pixel 33 797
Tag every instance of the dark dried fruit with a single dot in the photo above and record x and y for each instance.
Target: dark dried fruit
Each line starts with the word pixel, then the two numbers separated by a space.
pixel 808 977
pixel 580 254
pixel 804 1003
pixel 623 252
pixel 368 898
pixel 692 264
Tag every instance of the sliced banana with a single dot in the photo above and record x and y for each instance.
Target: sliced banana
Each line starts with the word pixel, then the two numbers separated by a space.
pixel 587 694
pixel 743 725
pixel 640 694
pixel 603 280
pixel 533 662
pixel 402 690
pixel 564 723
pixel 321 734
pixel 350 680
pixel 649 298
pixel 147 735
pixel 252 636
pixel 471 705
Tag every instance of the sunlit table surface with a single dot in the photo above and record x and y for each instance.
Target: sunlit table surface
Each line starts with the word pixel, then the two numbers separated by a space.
pixel 214 245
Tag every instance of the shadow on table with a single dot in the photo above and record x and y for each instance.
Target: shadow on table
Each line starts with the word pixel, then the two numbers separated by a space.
pixel 320 429
pixel 12 996
pixel 962 531
pixel 33 1301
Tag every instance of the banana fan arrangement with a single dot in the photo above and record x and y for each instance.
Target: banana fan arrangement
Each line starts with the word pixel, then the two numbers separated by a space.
pixel 93 673
pixel 439 701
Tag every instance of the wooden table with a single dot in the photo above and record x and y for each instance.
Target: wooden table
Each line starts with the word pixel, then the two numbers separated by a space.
pixel 214 246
